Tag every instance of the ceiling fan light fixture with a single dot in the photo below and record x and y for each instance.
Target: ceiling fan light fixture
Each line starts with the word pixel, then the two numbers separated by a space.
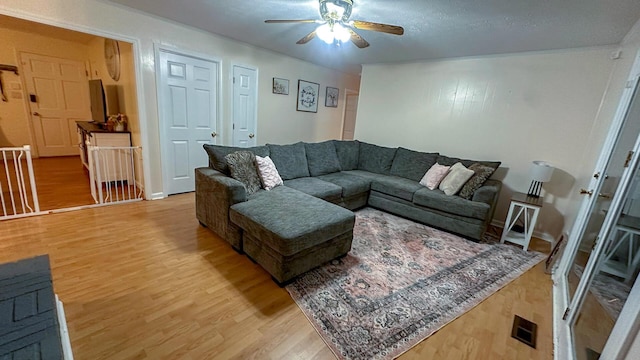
pixel 325 33
pixel 341 33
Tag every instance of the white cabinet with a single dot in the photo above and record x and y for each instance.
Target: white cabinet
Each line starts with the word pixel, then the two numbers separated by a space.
pixel 112 156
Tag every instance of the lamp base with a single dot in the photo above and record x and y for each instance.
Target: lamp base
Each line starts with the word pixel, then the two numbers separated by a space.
pixel 534 189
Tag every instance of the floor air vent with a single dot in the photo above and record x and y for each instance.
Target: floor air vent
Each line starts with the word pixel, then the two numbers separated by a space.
pixel 525 331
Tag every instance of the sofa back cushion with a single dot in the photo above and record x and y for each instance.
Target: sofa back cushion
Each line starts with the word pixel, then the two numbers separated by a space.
pixel 218 152
pixel 322 158
pixel 348 152
pixel 411 164
pixel 376 159
pixel 450 161
pixel 290 160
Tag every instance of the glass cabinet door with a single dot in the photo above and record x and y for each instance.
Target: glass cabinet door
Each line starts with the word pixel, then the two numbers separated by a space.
pixel 616 271
pixel 607 183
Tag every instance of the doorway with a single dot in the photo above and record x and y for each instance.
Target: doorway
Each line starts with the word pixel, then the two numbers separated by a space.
pixel 50 94
pixel 350 114
pixel 188 88
pixel 245 94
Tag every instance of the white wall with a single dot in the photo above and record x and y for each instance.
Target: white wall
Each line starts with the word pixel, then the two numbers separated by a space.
pixel 514 108
pixel 278 122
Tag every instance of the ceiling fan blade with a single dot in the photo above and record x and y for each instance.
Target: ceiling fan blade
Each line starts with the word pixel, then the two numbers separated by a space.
pixel 289 21
pixel 385 28
pixel 358 40
pixel 307 38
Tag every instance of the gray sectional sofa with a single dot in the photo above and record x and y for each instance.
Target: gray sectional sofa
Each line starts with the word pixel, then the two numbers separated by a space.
pixel 293 228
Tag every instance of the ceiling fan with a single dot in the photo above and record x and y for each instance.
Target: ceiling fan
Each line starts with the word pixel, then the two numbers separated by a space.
pixel 335 26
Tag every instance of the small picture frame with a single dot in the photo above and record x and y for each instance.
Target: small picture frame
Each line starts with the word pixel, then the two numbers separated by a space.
pixel 280 86
pixel 308 94
pixel 331 97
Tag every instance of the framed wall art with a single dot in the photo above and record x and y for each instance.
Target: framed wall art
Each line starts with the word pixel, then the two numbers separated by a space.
pixel 280 86
pixel 331 98
pixel 307 96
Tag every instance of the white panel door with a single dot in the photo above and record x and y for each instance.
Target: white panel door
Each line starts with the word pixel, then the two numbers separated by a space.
pixel 62 97
pixel 350 112
pixel 188 104
pixel 244 106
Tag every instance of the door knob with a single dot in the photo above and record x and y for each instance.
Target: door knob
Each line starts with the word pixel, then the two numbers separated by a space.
pixel 214 134
pixel 36 113
pixel 586 192
pixel 251 136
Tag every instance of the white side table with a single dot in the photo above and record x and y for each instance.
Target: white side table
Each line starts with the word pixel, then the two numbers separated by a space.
pixel 526 208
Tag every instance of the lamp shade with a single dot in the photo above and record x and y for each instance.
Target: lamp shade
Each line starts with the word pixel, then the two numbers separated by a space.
pixel 541 171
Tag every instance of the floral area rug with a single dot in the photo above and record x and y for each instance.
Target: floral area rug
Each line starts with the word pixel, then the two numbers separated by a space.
pixel 400 283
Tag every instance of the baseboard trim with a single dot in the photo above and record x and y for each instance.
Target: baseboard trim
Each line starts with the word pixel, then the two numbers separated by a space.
pixel 157 196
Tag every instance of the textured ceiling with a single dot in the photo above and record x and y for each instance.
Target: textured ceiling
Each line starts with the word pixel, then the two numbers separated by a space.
pixel 433 29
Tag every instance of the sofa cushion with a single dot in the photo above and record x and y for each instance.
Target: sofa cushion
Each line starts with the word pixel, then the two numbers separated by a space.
pixel 480 176
pixel 434 176
pixel 218 152
pixel 316 187
pixel 290 221
pixel 453 182
pixel 351 184
pixel 374 158
pixel 348 153
pixel 268 173
pixel 396 186
pixel 437 199
pixel 450 161
pixel 412 164
pixel 322 158
pixel 290 160
pixel 242 165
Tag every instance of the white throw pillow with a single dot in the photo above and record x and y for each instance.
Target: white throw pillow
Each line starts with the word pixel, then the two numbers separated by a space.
pixel 457 177
pixel 268 172
pixel 434 175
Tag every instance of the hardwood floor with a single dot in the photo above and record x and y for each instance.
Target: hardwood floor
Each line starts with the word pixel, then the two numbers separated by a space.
pixel 145 281
pixel 61 182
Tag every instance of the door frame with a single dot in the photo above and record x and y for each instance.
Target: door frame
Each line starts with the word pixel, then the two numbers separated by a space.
pixel 137 64
pixel 231 91
pixel 563 340
pixel 162 119
pixel 344 110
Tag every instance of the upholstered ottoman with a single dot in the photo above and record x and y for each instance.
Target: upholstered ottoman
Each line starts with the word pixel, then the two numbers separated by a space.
pixel 289 232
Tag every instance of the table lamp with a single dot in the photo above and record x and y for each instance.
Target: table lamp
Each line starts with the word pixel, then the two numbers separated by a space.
pixel 540 172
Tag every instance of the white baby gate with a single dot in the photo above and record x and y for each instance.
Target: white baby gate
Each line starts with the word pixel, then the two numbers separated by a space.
pixel 114 175
pixel 14 188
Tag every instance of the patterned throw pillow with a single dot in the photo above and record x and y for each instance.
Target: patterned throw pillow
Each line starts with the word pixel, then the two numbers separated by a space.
pixel 242 165
pixel 268 172
pixel 434 175
pixel 453 182
pixel 480 176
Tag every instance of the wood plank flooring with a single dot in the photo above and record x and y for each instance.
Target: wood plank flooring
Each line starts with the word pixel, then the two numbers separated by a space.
pixel 61 182
pixel 145 281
